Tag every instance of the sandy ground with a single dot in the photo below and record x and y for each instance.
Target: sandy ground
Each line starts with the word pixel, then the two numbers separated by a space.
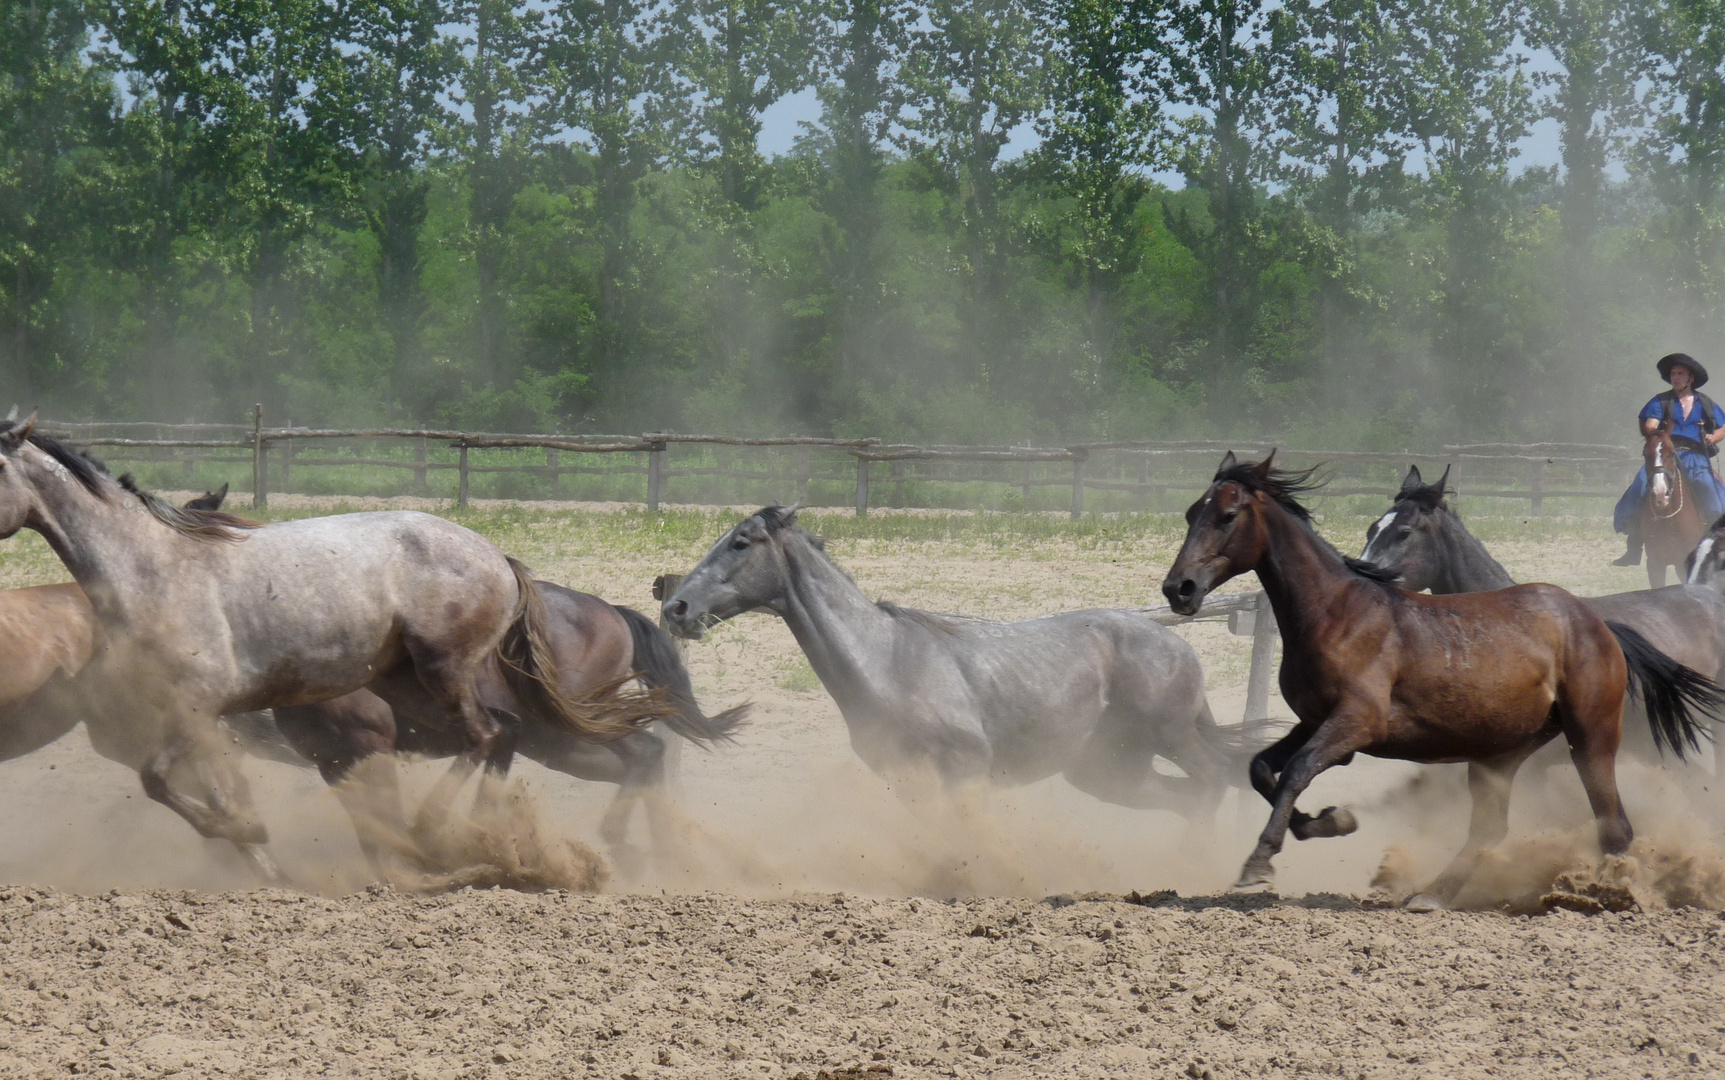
pixel 793 914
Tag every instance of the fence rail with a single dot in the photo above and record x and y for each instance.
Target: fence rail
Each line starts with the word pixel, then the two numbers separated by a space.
pixel 1143 470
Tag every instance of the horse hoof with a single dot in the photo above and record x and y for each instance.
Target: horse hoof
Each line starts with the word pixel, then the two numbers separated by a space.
pixel 1424 902
pixel 1328 822
pixel 1254 888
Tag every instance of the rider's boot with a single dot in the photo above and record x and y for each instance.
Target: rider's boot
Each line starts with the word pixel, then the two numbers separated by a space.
pixel 1632 557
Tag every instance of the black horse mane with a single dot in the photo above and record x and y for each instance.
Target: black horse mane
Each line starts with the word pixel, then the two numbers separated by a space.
pixel 90 472
pixel 1284 487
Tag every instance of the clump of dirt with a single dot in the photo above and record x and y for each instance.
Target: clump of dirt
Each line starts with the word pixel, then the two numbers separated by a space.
pixel 502 842
pixel 1553 870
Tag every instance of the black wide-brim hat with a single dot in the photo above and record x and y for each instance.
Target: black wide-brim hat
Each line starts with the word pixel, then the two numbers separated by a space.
pixel 1665 363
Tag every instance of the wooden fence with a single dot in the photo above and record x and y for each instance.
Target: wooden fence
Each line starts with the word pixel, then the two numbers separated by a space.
pixel 1141 471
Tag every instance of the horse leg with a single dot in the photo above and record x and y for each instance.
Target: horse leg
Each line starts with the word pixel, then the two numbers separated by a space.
pixel 1598 769
pixel 1332 743
pixel 338 736
pixel 489 741
pixel 1489 783
pixel 1268 763
pixel 635 763
pixel 227 816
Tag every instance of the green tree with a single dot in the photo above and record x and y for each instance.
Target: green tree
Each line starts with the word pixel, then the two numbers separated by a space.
pixel 56 111
pixel 1682 44
pixel 975 75
pixel 1470 103
pixel 1340 137
pixel 386 114
pixel 1107 83
pixel 606 84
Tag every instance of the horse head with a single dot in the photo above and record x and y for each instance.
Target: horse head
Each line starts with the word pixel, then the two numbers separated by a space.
pixel 746 570
pixel 1226 533
pixel 1407 538
pixel 1664 475
pixel 17 493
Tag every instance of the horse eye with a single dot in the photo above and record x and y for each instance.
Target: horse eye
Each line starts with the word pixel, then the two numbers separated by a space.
pixel 1228 516
pixel 739 544
pixel 1405 530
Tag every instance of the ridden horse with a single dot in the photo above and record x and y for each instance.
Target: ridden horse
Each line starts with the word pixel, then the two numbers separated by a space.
pixel 597 646
pixel 1485 678
pixel 1671 523
pixel 1092 695
pixel 1423 539
pixel 204 614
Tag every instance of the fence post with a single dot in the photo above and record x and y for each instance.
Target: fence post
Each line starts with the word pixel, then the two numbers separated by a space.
pixel 655 476
pixel 862 486
pixel 1263 664
pixel 419 464
pixel 1077 485
pixel 804 471
pixel 260 462
pixel 1537 482
pixel 552 458
pixel 287 462
pixel 461 490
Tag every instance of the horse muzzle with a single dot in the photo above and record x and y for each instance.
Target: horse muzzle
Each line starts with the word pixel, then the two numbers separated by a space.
pixel 682 620
pixel 1185 593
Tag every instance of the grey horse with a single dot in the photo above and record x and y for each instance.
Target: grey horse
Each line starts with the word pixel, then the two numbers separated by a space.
pixel 1424 539
pixel 1094 696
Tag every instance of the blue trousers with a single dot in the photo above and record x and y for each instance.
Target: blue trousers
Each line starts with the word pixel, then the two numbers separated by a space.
pixel 1708 491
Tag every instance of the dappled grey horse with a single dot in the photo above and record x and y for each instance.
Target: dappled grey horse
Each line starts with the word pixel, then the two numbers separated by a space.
pixel 1424 539
pixel 1092 695
pixel 204 614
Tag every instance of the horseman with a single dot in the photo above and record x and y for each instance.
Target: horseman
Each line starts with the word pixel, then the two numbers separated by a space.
pixel 1697 427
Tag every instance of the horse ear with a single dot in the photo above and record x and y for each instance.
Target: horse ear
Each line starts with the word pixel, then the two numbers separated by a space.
pixel 1228 462
pixel 1263 468
pixel 221 495
pixel 1442 484
pixel 13 437
pixel 13 415
pixel 789 513
pixel 1413 481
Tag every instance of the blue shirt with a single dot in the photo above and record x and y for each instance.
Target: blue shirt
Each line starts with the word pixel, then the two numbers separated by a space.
pixel 1689 428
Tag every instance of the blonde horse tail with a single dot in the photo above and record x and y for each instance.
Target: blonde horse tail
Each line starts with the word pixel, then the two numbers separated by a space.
pixel 609 711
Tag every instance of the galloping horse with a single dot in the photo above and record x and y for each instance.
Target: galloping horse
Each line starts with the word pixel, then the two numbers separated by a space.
pixel 597 647
pixel 203 614
pixel 1671 523
pixel 1485 678
pixel 1093 695
pixel 1423 539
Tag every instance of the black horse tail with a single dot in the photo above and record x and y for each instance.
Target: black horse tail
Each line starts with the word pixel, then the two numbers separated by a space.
pixel 1672 693
pixel 659 666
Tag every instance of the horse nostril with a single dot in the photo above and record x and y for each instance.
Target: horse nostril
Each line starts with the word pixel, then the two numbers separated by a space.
pixel 1187 588
pixel 677 608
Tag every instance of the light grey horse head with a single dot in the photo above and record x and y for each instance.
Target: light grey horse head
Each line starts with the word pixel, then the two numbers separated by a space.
pixel 1706 564
pixel 744 571
pixel 17 495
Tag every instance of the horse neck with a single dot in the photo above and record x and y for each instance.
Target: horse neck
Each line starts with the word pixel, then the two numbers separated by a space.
pixel 107 541
pixel 1468 566
pixel 838 628
pixel 1299 573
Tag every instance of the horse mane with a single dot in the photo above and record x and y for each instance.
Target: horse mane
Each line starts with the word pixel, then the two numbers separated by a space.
pixel 1425 496
pixel 197 524
pixel 777 521
pixel 1284 487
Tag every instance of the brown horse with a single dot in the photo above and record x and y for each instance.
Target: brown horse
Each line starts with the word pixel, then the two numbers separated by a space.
pixel 598 648
pixel 1671 522
pixel 1485 678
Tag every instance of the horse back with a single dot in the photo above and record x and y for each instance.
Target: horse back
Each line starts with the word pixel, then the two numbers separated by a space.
pixel 1685 622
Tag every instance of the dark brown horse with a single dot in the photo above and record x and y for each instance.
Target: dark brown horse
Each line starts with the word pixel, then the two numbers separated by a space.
pixel 1485 678
pixel 1671 523
pixel 598 647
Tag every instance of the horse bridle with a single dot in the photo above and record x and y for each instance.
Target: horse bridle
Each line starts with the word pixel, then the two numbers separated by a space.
pixel 1659 466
